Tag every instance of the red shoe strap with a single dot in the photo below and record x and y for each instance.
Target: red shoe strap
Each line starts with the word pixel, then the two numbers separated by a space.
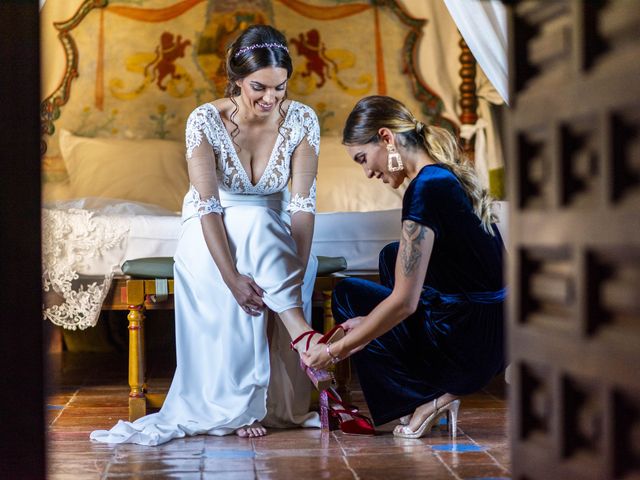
pixel 309 333
pixel 336 398
pixel 355 415
pixel 327 336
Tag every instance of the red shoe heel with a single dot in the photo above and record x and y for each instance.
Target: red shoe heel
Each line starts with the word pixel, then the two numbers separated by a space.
pixel 324 411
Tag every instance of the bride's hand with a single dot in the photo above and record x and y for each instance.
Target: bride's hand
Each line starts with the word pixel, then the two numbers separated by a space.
pixel 248 295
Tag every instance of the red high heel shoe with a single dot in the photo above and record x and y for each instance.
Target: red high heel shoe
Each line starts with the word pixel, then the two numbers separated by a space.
pixel 321 379
pixel 350 420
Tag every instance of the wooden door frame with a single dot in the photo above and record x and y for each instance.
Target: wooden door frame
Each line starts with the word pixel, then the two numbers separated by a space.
pixel 22 392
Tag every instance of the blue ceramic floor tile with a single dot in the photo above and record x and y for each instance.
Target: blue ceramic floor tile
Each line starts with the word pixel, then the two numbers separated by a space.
pixel 458 447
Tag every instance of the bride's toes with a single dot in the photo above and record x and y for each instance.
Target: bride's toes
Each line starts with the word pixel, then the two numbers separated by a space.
pixel 253 430
pixel 242 432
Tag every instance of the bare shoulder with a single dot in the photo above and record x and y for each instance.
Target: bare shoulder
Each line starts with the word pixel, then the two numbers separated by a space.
pixel 286 104
pixel 224 106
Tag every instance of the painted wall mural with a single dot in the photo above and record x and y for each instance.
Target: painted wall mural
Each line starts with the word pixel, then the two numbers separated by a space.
pixel 137 68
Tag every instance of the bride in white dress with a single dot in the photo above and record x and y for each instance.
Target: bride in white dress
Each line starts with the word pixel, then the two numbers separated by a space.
pixel 244 249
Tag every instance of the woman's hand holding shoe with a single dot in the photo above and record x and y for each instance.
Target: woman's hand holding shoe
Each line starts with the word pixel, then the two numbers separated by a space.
pixel 322 355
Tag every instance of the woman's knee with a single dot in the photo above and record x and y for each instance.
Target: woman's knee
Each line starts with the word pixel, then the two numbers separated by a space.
pixel 344 290
pixel 389 252
pixel 355 297
pixel 387 263
pixel 345 294
pixel 349 287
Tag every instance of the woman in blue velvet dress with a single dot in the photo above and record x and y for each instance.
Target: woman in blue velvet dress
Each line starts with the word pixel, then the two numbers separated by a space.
pixel 433 330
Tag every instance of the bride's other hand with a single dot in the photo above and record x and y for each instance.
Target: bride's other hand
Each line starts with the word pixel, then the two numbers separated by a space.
pixel 248 295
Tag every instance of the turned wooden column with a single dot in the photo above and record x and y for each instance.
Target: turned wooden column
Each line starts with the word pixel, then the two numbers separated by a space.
pixel 137 401
pixel 468 99
pixel 342 370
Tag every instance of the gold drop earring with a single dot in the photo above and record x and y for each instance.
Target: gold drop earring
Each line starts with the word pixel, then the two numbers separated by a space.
pixel 394 162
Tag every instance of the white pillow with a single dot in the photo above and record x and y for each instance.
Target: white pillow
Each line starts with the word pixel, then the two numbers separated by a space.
pixel 343 187
pixel 150 171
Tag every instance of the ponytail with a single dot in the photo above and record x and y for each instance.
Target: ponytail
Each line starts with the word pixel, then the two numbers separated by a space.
pixel 376 111
pixel 442 147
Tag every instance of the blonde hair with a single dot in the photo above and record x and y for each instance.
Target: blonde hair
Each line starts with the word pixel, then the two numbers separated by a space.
pixel 377 111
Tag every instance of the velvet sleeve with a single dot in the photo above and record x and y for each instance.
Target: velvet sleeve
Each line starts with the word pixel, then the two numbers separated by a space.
pixel 432 199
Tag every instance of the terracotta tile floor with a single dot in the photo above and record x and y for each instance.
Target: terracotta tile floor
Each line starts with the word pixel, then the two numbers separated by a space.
pixel 89 392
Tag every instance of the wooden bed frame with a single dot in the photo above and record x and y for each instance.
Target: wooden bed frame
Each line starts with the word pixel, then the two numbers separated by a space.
pixel 135 295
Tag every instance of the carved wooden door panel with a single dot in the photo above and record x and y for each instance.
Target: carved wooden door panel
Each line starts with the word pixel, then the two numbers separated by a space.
pixel 574 267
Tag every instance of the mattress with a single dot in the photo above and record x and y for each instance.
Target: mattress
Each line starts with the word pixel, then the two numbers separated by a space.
pixel 85 241
pixel 152 232
pixel 356 236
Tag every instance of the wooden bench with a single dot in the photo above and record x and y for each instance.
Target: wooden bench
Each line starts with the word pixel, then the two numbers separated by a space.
pixel 138 295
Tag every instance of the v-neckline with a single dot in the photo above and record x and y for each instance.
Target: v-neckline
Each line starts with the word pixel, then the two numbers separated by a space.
pixel 236 158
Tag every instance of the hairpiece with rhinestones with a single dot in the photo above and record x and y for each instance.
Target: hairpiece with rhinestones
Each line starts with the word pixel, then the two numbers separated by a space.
pixel 260 45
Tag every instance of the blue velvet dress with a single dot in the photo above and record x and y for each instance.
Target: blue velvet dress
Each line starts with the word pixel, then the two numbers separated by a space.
pixel 454 342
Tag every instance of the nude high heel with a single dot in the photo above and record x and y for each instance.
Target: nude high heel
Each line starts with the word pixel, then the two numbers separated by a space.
pixel 451 412
pixel 405 420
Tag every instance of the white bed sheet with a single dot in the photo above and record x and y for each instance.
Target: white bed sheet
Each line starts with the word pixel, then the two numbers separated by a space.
pixel 357 236
pixel 152 232
pixel 86 241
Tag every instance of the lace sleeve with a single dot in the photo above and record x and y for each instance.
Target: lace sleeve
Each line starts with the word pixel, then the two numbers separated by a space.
pixel 304 167
pixel 300 203
pixel 201 163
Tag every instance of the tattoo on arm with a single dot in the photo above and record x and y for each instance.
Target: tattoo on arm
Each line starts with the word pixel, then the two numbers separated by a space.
pixel 410 254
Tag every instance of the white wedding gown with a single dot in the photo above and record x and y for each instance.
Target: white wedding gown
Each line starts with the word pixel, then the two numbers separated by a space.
pixel 227 374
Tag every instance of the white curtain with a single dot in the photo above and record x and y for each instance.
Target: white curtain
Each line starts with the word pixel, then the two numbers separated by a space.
pixel 483 25
pixel 440 67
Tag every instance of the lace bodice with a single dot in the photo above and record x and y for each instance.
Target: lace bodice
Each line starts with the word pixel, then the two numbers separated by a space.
pixel 299 139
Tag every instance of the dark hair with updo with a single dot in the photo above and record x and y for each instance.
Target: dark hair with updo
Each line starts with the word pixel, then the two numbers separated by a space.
pixel 375 112
pixel 243 61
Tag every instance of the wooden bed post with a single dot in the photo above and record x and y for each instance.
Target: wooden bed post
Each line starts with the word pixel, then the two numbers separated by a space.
pixel 342 370
pixel 137 400
pixel 468 98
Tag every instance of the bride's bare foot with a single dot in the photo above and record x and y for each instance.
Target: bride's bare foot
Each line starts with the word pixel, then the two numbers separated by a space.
pixel 423 412
pixel 254 430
